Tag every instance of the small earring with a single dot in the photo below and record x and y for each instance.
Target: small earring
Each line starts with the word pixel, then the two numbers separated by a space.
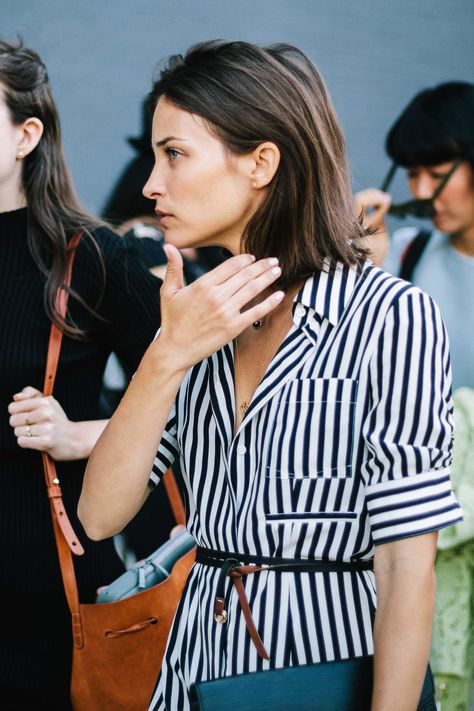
pixel 21 154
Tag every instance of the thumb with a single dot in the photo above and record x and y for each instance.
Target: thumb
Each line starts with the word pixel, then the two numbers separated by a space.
pixel 174 279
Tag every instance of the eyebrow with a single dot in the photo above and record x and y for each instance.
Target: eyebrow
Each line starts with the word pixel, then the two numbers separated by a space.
pixel 166 140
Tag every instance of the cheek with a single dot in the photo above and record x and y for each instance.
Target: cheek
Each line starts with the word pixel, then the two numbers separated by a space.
pixel 7 157
pixel 458 198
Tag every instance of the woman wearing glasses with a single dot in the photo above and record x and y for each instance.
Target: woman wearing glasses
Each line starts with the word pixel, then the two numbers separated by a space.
pixel 434 140
pixel 433 135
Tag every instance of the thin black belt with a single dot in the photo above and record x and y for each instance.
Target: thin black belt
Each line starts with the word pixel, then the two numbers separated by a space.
pixel 236 565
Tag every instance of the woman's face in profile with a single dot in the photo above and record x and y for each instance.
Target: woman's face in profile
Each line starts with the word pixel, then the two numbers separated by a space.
pixel 455 204
pixel 203 194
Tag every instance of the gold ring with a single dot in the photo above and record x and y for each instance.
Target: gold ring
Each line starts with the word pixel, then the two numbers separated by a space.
pixel 28 431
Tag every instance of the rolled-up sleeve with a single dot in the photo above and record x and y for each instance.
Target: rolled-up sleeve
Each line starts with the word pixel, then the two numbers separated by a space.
pixel 409 427
pixel 167 451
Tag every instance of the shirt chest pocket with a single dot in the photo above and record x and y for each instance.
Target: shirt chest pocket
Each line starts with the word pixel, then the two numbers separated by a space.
pixel 309 439
pixel 310 432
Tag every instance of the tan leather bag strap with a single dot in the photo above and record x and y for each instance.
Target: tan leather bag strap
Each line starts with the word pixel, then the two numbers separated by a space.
pixel 51 478
pixel 176 502
pixel 66 539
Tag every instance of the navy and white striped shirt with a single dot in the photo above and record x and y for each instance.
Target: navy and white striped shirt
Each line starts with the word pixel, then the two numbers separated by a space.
pixel 346 444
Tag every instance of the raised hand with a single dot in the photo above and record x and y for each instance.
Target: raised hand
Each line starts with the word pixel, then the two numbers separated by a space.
pixel 200 318
pixel 373 205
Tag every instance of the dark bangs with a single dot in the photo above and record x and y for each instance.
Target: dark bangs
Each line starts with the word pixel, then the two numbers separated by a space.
pixel 437 126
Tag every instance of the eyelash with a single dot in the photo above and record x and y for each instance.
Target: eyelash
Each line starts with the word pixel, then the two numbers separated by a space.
pixel 172 153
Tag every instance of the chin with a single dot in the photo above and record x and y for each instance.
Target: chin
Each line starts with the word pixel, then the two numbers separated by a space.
pixel 445 225
pixel 179 241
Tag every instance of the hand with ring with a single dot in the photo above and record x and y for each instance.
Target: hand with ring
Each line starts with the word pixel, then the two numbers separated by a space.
pixel 40 423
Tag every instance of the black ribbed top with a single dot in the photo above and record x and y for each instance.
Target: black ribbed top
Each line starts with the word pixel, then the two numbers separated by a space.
pixel 130 307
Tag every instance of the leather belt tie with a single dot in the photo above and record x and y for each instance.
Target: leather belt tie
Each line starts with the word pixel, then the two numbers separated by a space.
pixel 236 565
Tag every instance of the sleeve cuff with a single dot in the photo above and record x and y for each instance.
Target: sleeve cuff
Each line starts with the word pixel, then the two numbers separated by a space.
pixel 411 506
pixel 164 459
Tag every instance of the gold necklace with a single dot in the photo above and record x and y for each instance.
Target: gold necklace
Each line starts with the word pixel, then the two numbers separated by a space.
pixel 244 406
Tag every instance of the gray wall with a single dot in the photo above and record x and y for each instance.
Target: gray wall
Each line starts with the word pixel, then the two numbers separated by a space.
pixel 374 54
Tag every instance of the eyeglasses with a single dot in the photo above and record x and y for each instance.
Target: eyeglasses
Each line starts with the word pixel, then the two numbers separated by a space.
pixel 417 208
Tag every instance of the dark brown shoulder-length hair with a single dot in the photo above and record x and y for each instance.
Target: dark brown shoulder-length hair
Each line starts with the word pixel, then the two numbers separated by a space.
pixel 248 95
pixel 55 213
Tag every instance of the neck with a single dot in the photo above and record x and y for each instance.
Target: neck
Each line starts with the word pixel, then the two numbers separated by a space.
pixel 282 306
pixel 464 242
pixel 11 200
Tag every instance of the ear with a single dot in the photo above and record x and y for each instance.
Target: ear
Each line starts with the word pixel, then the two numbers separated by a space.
pixel 266 159
pixel 29 135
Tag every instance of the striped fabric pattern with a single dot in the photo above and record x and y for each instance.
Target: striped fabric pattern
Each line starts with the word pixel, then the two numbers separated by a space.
pixel 346 444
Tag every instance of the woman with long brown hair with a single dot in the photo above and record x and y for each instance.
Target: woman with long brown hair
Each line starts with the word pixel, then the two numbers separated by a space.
pixel 306 393
pixel 113 305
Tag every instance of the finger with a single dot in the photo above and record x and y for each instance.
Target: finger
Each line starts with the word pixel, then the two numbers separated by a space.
pixel 27 393
pixel 260 310
pixel 255 287
pixel 26 405
pixel 23 419
pixel 37 443
pixel 41 430
pixel 376 219
pixel 227 269
pixel 370 198
pixel 174 280
pixel 25 431
pixel 250 272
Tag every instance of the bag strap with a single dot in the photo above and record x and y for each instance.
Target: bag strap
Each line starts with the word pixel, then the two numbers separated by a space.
pixel 412 254
pixel 66 539
pixel 174 497
pixel 51 478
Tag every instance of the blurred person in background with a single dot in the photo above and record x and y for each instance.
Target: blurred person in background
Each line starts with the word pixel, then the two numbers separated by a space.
pixel 433 139
pixel 113 306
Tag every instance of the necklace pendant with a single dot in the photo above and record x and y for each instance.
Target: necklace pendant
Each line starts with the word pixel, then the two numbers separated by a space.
pixel 257 324
pixel 244 407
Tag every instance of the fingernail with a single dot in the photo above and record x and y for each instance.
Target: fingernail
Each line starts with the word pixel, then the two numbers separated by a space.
pixel 273 260
pixel 276 270
pixel 278 295
pixel 252 257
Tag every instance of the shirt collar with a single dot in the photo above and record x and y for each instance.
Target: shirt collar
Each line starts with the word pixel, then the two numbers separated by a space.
pixel 327 292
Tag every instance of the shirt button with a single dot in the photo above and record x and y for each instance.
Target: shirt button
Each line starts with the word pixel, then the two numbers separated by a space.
pixel 241 449
pixel 300 311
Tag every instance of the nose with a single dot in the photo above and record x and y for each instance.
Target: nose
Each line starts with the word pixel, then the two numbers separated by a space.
pixel 422 186
pixel 153 187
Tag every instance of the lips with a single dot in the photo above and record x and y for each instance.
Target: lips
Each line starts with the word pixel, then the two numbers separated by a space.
pixel 163 217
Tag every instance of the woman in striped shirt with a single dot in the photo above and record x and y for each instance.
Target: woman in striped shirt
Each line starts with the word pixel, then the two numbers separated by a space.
pixel 305 392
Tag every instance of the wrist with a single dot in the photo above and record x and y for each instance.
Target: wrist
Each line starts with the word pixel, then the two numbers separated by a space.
pixel 83 436
pixel 80 446
pixel 162 361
